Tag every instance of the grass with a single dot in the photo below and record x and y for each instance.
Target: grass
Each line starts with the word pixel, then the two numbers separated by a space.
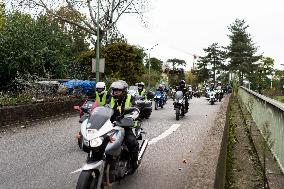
pixel 279 98
pixel 232 139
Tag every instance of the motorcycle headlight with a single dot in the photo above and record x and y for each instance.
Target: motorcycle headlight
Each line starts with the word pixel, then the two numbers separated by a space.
pixel 96 142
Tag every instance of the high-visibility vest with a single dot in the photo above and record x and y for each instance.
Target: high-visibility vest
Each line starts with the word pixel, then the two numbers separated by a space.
pixel 102 101
pixel 127 102
pixel 142 92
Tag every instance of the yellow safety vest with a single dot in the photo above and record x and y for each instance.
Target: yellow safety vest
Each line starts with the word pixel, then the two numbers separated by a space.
pixel 103 102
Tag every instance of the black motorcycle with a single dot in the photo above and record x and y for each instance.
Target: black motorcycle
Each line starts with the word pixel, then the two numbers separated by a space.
pixel 179 105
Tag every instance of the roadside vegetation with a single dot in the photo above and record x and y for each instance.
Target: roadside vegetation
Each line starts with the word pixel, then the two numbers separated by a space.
pixel 243 167
pixel 58 41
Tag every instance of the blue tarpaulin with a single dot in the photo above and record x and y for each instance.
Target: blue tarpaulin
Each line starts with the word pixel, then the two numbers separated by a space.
pixel 80 86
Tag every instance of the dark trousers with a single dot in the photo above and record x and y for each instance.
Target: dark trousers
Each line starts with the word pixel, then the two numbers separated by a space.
pixel 131 143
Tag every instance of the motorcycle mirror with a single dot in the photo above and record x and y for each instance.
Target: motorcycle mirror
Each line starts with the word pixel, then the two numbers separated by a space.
pixel 77 108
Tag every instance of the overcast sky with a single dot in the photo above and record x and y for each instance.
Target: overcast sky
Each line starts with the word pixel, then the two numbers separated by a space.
pixel 183 27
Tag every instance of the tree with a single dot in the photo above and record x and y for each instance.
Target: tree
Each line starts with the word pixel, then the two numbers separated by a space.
pixel 2 15
pixel 124 61
pixel 33 46
pixel 176 62
pixel 190 78
pixel 215 57
pixel 86 13
pixel 175 74
pixel 241 50
pixel 202 72
pixel 156 64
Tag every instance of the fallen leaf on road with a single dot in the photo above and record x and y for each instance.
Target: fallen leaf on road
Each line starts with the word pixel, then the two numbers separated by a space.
pixel 23 126
pixel 184 161
pixel 180 169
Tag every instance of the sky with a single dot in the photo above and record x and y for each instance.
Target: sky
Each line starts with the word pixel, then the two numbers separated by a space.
pixel 182 28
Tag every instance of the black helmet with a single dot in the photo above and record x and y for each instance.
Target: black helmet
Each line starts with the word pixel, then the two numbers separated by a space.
pixel 182 82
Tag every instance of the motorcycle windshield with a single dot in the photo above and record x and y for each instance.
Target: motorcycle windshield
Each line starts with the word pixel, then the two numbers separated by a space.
pixel 158 93
pixel 99 116
pixel 179 95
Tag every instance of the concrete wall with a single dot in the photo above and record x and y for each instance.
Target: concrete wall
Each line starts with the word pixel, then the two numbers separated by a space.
pixel 12 115
pixel 266 110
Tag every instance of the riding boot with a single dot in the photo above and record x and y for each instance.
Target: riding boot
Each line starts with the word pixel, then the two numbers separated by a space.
pixel 134 162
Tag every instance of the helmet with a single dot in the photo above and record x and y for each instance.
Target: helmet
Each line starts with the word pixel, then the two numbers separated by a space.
pixel 124 83
pixel 140 85
pixel 118 88
pixel 100 87
pixel 182 82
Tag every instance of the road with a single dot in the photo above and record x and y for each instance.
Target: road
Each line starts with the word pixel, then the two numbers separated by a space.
pixel 43 155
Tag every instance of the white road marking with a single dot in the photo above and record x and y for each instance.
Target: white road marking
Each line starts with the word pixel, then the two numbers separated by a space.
pixel 78 170
pixel 172 129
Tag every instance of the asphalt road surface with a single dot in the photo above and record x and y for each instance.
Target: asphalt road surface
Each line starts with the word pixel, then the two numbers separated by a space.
pixel 43 155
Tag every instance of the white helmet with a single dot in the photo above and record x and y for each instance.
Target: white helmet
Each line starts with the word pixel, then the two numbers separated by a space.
pixel 101 87
pixel 118 85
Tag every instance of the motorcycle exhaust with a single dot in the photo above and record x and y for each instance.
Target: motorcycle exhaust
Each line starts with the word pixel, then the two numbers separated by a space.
pixel 142 149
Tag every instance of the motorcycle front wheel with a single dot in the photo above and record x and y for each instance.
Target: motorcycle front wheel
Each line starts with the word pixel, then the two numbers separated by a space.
pixel 177 113
pixel 156 105
pixel 87 180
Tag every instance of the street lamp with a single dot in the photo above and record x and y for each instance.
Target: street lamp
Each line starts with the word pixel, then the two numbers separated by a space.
pixel 149 62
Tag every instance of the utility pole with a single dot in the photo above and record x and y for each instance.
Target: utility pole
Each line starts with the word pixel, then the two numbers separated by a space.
pixel 98 46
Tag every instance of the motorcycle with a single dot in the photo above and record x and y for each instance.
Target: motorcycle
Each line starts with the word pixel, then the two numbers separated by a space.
pixel 196 94
pixel 219 95
pixel 173 93
pixel 84 114
pixel 211 98
pixel 159 100
pixel 145 106
pixel 108 158
pixel 179 104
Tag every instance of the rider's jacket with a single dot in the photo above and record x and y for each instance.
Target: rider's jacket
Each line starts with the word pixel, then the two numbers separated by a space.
pixel 119 105
pixel 141 92
pixel 101 98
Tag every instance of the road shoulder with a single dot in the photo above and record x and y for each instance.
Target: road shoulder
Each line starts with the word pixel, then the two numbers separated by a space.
pixel 204 168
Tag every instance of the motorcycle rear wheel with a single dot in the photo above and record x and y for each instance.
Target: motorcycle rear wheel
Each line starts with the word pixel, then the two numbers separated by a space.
pixel 87 180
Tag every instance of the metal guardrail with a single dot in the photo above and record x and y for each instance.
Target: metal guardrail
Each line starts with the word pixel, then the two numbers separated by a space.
pixel 266 110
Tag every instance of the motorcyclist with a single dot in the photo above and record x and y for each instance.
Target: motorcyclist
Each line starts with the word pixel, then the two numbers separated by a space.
pixel 184 90
pixel 141 90
pixel 119 101
pixel 219 85
pixel 219 89
pixel 212 87
pixel 190 91
pixel 206 90
pixel 160 88
pixel 101 93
